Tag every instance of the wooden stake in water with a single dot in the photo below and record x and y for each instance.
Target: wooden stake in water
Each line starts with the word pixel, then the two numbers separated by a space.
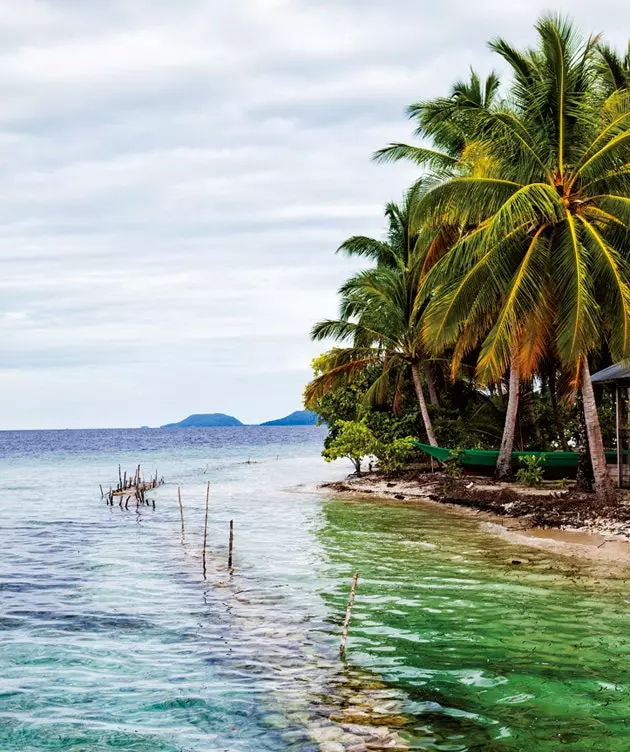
pixel 231 544
pixel 205 531
pixel 181 508
pixel 346 623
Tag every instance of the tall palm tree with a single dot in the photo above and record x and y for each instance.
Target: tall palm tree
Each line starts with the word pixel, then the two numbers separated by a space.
pixel 380 315
pixel 453 125
pixel 546 264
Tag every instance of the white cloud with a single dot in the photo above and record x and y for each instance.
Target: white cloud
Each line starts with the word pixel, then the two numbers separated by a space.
pixel 177 176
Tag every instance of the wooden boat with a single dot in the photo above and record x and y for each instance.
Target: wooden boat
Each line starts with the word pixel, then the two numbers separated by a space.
pixel 483 461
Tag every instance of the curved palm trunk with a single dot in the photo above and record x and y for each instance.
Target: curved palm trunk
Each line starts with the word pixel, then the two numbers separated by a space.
pixel 603 484
pixel 423 405
pixel 428 375
pixel 504 462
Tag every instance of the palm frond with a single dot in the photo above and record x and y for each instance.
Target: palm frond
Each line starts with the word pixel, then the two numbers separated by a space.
pixel 417 155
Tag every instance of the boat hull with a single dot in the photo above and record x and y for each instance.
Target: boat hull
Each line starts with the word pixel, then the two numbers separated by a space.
pixel 483 461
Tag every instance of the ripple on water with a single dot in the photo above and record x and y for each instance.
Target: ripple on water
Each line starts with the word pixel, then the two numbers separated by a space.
pixel 110 639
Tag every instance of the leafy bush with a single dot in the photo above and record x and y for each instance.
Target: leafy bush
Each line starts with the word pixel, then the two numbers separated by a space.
pixel 453 463
pixel 353 440
pixel 395 455
pixel 388 426
pixel 532 472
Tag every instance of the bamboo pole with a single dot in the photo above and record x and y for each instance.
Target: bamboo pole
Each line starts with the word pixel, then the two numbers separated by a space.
pixel 181 508
pixel 346 622
pixel 205 530
pixel 619 435
pixel 231 544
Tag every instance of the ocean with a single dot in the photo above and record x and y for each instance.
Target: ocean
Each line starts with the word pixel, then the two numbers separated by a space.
pixel 111 638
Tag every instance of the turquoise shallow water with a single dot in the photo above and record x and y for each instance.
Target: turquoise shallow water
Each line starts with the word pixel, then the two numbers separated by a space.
pixel 110 638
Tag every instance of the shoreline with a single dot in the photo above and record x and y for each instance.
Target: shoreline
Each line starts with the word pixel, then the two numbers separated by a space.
pixel 562 520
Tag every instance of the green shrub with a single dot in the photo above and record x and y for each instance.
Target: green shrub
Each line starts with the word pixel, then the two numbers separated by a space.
pixel 353 440
pixel 532 472
pixel 453 463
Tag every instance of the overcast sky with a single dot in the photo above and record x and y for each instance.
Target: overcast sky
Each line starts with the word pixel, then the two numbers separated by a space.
pixel 175 178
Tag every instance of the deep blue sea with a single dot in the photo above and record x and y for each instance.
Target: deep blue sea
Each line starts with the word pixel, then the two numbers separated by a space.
pixel 111 638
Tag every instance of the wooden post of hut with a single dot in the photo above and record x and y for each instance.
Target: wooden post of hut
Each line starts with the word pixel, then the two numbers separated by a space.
pixel 617 377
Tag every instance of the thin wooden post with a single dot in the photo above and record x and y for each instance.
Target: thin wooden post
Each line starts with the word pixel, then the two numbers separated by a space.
pixel 205 531
pixel 619 426
pixel 231 544
pixel 101 487
pixel 346 622
pixel 181 508
pixel 119 479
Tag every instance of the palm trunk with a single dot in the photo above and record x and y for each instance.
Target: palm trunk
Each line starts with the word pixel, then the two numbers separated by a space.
pixel 423 405
pixel 584 477
pixel 529 400
pixel 504 462
pixel 556 413
pixel 428 375
pixel 603 484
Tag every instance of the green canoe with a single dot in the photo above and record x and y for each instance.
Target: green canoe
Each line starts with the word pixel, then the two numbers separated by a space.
pixel 483 461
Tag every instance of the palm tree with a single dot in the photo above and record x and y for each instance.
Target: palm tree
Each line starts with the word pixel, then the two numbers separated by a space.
pixel 398 246
pixel 380 314
pixel 452 122
pixel 546 266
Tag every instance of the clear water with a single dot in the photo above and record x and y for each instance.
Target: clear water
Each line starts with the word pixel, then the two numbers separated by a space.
pixel 111 639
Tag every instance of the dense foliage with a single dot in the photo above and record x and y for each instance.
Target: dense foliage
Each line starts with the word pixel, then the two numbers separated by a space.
pixel 503 276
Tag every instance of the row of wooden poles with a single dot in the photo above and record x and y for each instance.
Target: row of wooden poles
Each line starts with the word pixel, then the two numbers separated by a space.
pixel 139 486
pixel 355 578
pixel 205 530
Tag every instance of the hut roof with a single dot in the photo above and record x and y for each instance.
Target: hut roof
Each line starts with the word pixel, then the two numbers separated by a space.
pixel 619 373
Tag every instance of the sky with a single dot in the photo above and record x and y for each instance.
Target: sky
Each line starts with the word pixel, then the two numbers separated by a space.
pixel 176 176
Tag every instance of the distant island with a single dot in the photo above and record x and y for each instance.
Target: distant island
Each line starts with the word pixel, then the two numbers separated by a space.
pixel 221 420
pixel 297 418
pixel 206 420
